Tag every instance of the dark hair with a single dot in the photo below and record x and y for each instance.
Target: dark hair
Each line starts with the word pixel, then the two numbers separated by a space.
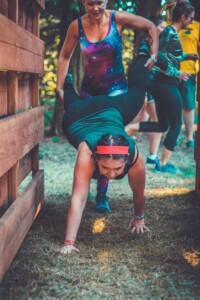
pixel 156 19
pixel 180 9
pixel 112 140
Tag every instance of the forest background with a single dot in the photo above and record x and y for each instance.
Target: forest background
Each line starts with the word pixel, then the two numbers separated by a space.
pixel 54 24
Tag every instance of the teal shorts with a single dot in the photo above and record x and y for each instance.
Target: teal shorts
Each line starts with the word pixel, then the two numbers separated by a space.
pixel 188 92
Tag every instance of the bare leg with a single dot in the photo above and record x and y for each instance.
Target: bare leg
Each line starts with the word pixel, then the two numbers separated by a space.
pixel 165 156
pixel 154 137
pixel 132 128
pixel 154 142
pixel 188 117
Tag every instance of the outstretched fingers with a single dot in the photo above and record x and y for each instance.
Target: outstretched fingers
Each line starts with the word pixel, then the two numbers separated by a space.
pixel 137 226
pixel 68 249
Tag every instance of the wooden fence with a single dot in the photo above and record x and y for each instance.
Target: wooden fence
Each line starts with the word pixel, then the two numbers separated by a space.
pixel 21 123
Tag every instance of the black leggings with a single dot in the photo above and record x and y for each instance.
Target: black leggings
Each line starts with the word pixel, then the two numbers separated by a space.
pixel 128 104
pixel 168 102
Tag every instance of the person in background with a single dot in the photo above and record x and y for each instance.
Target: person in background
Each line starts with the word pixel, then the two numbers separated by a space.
pixel 189 39
pixel 99 34
pixel 165 88
pixel 150 107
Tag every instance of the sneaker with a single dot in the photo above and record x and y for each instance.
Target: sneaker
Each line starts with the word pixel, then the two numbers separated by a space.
pixel 190 144
pixel 151 161
pixel 167 168
pixel 102 204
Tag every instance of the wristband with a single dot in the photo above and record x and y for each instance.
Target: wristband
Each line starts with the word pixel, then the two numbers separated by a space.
pixel 69 242
pixel 139 217
pixel 154 57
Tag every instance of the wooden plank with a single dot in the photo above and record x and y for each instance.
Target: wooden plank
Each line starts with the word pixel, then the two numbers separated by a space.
pixel 3 94
pixel 19 37
pixel 4 7
pixel 41 3
pixel 12 93
pixel 13 11
pixel 29 13
pixel 25 167
pixel 13 183
pixel 3 189
pixel 35 90
pixel 36 24
pixel 22 14
pixel 19 135
pixel 24 91
pixel 35 159
pixel 17 59
pixel 17 220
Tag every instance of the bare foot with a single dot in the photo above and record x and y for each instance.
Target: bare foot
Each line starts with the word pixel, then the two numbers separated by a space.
pixel 132 128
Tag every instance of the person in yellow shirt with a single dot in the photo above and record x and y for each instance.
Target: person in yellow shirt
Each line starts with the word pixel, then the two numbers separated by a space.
pixel 189 39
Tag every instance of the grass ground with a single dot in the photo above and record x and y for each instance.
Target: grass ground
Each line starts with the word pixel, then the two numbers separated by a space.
pixel 112 264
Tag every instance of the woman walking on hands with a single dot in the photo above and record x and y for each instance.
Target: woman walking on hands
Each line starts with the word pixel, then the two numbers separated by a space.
pixel 99 34
pixel 95 127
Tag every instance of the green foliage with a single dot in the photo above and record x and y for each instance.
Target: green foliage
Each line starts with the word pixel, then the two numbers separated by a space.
pixel 50 34
pixel 128 47
pixel 130 6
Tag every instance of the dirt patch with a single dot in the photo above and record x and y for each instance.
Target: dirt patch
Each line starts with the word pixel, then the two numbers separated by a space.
pixel 161 264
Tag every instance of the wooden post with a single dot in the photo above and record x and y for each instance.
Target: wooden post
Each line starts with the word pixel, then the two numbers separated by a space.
pixel 12 109
pixel 35 94
pixel 12 93
pixel 13 10
pixel 35 103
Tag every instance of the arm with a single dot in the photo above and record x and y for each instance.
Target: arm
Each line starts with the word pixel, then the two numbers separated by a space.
pixel 189 56
pixel 82 175
pixel 170 49
pixel 125 19
pixel 65 56
pixel 136 176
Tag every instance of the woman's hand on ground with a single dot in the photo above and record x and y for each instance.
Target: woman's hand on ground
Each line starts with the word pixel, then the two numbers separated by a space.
pixel 138 226
pixel 68 249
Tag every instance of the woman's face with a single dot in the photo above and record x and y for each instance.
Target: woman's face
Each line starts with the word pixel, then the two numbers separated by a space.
pixel 187 20
pixel 95 8
pixel 161 26
pixel 111 168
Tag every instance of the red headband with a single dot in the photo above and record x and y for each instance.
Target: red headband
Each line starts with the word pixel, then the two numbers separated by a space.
pixel 112 150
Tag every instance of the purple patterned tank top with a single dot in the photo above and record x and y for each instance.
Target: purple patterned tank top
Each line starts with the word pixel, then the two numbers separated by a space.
pixel 104 71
